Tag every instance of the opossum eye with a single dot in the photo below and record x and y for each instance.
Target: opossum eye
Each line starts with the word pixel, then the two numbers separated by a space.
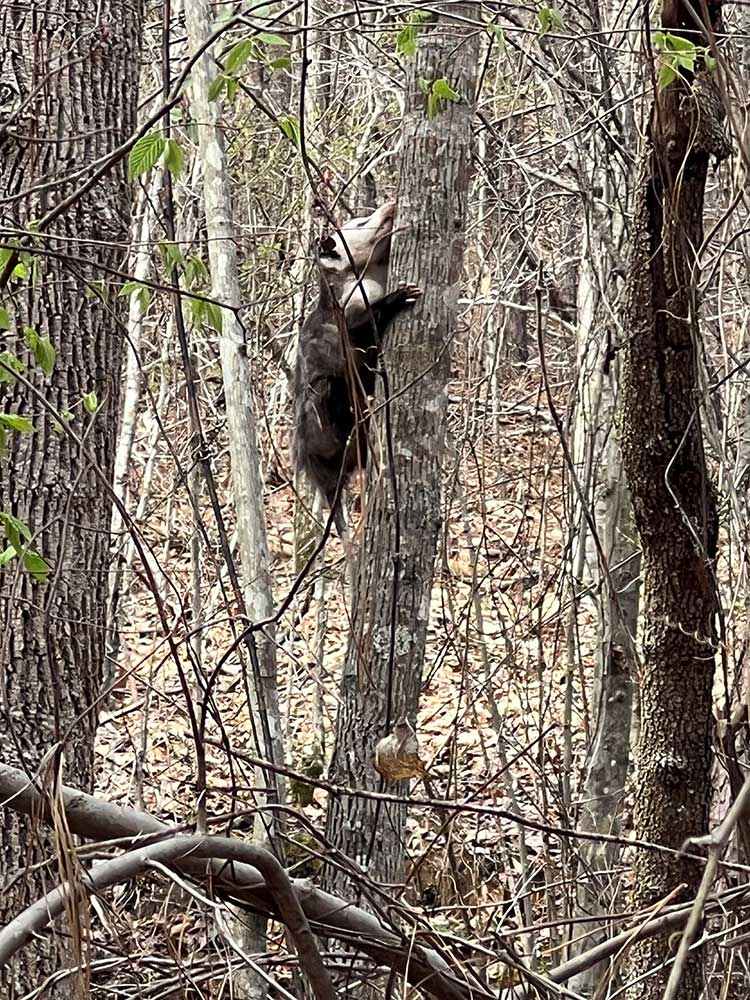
pixel 327 247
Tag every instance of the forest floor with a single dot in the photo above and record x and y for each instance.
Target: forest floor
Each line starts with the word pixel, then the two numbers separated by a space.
pixel 506 651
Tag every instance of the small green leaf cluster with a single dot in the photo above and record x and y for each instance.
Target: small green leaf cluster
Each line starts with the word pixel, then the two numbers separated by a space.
pixel 678 56
pixel 151 148
pixel 252 49
pixel 18 535
pixel 24 266
pixel 438 93
pixel 196 278
pixel 549 18
pixel 407 38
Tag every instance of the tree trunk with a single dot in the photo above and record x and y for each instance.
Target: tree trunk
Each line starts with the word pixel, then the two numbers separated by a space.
pixel 247 482
pixel 673 502
pixel 386 651
pixel 70 101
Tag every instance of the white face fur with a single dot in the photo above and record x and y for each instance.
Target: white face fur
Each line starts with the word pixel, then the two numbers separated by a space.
pixel 367 240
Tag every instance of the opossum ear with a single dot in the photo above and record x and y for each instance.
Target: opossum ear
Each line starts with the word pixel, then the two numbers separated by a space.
pixel 327 247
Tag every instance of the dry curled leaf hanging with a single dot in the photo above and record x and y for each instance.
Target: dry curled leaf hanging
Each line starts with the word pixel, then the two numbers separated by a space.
pixel 397 755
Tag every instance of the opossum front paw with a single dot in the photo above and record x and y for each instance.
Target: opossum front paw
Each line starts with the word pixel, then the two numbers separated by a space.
pixel 410 292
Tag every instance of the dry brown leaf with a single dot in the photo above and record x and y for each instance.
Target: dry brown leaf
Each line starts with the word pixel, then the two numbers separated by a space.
pixel 397 755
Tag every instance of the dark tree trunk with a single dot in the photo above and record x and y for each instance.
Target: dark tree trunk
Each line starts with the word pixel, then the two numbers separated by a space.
pixel 71 100
pixel 383 669
pixel 673 501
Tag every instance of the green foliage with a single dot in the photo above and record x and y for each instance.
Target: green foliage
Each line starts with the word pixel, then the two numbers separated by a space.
pixel 174 158
pixel 195 272
pixel 677 56
pixel 252 49
pixel 239 55
pixel 20 270
pixel 172 257
pixel 12 422
pixel 90 402
pixel 42 349
pixel 4 318
pixel 498 34
pixel 149 149
pixel 18 534
pixel 549 18
pixel 96 289
pixel 15 422
pixel 145 154
pixel 141 291
pixel 289 125
pixel 438 93
pixel 206 312
pixel 8 360
pixel 407 38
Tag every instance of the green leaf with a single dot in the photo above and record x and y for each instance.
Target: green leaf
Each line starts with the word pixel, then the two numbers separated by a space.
pixel 4 317
pixel 196 272
pixel 239 55
pixel 232 86
pixel 438 92
pixel 406 39
pixel 283 62
pixel 172 257
pixel 443 91
pixel 15 422
pixel 499 34
pixel 174 158
pixel 679 44
pixel 549 17
pixel 142 292
pixel 145 154
pixel 15 530
pixel 10 361
pixel 90 401
pixel 6 555
pixel 217 87
pixel 710 63
pixel 197 310
pixel 44 353
pixel 34 564
pixel 269 39
pixel 214 316
pixel 667 74
pixel 289 125
pixel 97 289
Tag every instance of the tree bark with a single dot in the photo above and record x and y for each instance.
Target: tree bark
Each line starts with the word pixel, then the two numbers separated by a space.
pixel 673 502
pixel 247 483
pixel 382 673
pixel 71 100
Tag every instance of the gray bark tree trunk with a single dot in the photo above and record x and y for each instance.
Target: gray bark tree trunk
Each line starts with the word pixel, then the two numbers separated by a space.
pixel 382 673
pixel 70 101
pixel 247 483
pixel 673 501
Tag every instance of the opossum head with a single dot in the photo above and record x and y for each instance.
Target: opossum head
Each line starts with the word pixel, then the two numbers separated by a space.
pixel 356 255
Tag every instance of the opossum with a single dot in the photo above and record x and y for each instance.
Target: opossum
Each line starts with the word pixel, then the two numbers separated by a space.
pixel 337 356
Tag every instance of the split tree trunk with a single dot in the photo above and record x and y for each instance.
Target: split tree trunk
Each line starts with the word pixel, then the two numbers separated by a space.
pixel 70 101
pixel 673 501
pixel 382 673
